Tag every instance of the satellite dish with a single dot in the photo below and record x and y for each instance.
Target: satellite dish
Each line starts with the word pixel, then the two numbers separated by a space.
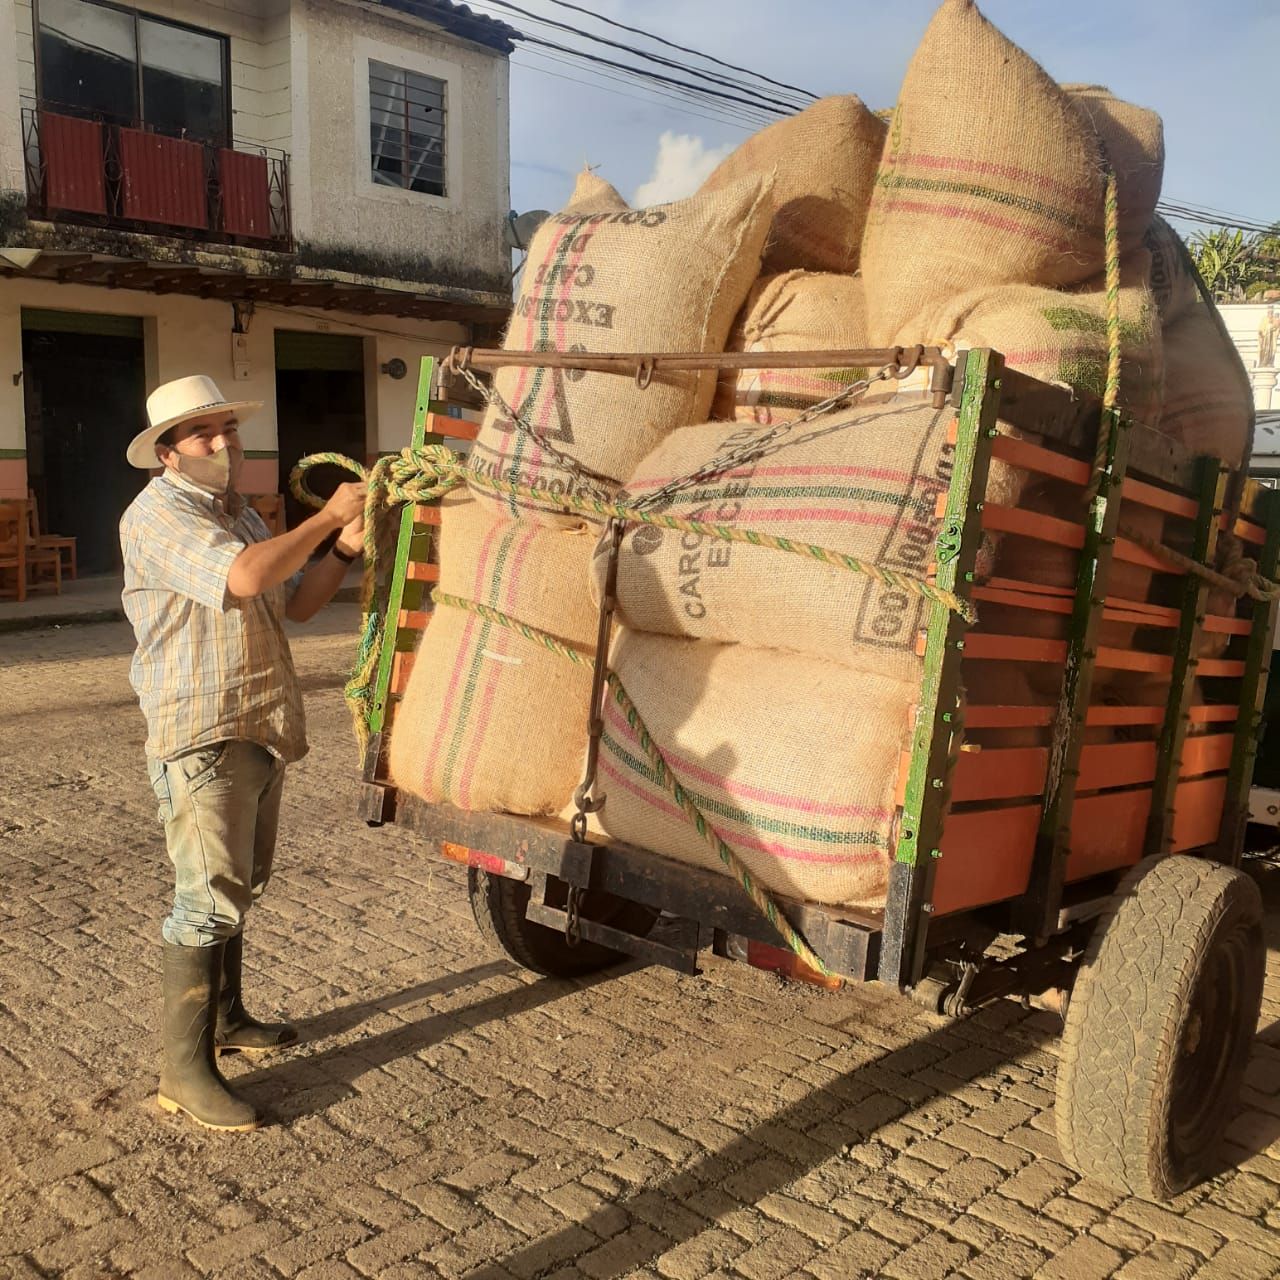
pixel 518 231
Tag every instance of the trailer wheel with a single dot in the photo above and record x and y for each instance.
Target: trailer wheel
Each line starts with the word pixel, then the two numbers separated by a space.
pixel 498 905
pixel 1159 1026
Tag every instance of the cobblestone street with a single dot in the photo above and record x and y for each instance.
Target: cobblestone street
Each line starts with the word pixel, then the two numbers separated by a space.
pixel 449 1114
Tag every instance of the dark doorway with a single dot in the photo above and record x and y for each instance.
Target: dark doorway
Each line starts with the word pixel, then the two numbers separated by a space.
pixel 85 399
pixel 319 408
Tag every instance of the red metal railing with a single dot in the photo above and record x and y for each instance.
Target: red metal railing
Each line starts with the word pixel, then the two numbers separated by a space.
pixel 84 170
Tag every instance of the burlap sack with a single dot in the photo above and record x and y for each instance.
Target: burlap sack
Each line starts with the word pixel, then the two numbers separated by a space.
pixel 1172 285
pixel 1060 336
pixel 1133 140
pixel 825 162
pixel 661 279
pixel 798 311
pixel 864 482
pixel 991 175
pixel 793 760
pixel 1208 402
pixel 490 720
pixel 593 193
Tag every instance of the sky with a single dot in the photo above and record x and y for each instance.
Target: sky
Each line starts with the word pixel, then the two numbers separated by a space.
pixel 1207 66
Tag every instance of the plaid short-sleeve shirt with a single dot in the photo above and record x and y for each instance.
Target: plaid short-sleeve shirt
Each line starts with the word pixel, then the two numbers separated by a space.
pixel 208 667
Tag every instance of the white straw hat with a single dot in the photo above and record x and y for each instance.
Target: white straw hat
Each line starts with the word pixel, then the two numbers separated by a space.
pixel 180 401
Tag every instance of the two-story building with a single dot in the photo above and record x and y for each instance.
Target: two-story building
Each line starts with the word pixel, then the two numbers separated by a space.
pixel 297 197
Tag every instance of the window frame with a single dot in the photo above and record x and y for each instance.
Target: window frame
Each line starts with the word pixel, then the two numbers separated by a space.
pixel 366 49
pixel 139 121
pixel 407 131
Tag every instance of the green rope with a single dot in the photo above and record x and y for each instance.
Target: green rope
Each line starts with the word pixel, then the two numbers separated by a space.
pixel 761 897
pixel 427 473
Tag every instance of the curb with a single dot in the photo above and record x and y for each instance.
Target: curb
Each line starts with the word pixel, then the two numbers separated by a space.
pixel 47 621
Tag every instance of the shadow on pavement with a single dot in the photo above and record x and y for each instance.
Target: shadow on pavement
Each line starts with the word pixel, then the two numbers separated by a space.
pixel 312 1082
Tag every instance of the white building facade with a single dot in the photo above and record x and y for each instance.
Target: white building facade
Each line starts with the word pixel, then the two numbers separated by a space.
pixel 298 197
pixel 1249 323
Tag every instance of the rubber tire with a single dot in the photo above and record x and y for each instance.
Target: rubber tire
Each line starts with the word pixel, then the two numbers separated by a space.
pixel 1145 996
pixel 498 905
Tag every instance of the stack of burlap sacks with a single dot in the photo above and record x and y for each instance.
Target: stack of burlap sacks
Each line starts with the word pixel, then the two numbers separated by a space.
pixel 780 690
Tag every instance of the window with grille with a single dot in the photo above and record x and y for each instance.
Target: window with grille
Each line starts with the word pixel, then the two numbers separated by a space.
pixel 406 127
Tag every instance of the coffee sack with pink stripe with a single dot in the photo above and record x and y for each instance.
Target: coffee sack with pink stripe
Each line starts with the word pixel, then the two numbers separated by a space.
pixel 792 760
pixel 491 720
pixel 612 279
pixel 991 175
pixel 865 482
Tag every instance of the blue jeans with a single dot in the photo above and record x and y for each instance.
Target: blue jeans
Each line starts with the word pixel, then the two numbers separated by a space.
pixel 220 806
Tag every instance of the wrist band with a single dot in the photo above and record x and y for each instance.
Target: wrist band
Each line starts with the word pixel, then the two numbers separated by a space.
pixel 342 555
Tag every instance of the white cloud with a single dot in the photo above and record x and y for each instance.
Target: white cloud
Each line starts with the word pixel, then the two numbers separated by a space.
pixel 682 163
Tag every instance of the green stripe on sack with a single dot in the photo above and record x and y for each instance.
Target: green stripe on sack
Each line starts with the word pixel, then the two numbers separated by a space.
pixel 943 186
pixel 753 821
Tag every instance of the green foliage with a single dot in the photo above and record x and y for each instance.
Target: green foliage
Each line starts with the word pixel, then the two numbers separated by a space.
pixel 1236 266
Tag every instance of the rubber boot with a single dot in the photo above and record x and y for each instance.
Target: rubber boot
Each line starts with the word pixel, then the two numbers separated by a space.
pixel 190 1081
pixel 236 1029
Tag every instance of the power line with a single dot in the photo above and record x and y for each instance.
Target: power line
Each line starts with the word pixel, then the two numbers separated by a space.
pixel 755 104
pixel 672 63
pixel 747 126
pixel 697 53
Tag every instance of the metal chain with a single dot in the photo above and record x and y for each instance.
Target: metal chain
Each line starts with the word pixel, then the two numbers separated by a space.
pixel 751 450
pixel 493 398
pixel 572 919
pixel 748 451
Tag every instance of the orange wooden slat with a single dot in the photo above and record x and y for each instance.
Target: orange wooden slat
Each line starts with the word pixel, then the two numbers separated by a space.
pixel 1032 457
pixel 1014 648
pixel 1248 531
pixel 440 424
pixel 1227 626
pixel 426 515
pixel 420 571
pixel 986 853
pixel 1030 588
pixel 413 619
pixel 1001 774
pixel 1150 495
pixel 1220 667
pixel 1024 717
pixel 1133 660
pixel 1063 533
pixel 401 666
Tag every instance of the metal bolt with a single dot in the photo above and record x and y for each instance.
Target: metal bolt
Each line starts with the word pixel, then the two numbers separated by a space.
pixel 992 433
pixel 936 783
pixel 997 383
pixel 935 853
pixel 959 644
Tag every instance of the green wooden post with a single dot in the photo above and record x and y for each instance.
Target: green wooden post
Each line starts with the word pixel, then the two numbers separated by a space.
pixel 1037 913
pixel 1253 690
pixel 1211 487
pixel 405 551
pixel 908 905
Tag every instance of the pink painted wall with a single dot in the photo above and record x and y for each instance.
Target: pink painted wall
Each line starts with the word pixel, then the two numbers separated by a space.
pixel 260 475
pixel 13 477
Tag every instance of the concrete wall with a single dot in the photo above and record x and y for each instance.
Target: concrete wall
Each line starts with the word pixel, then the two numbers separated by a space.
pixel 190 335
pixel 455 238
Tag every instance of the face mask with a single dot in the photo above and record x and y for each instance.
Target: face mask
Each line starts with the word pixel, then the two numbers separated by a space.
pixel 215 473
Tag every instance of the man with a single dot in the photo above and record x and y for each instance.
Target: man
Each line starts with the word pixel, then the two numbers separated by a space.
pixel 207 590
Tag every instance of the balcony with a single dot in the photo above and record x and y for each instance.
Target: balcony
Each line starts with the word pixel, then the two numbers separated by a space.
pixel 102 174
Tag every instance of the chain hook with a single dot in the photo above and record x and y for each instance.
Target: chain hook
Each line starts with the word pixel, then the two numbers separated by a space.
pixel 644 373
